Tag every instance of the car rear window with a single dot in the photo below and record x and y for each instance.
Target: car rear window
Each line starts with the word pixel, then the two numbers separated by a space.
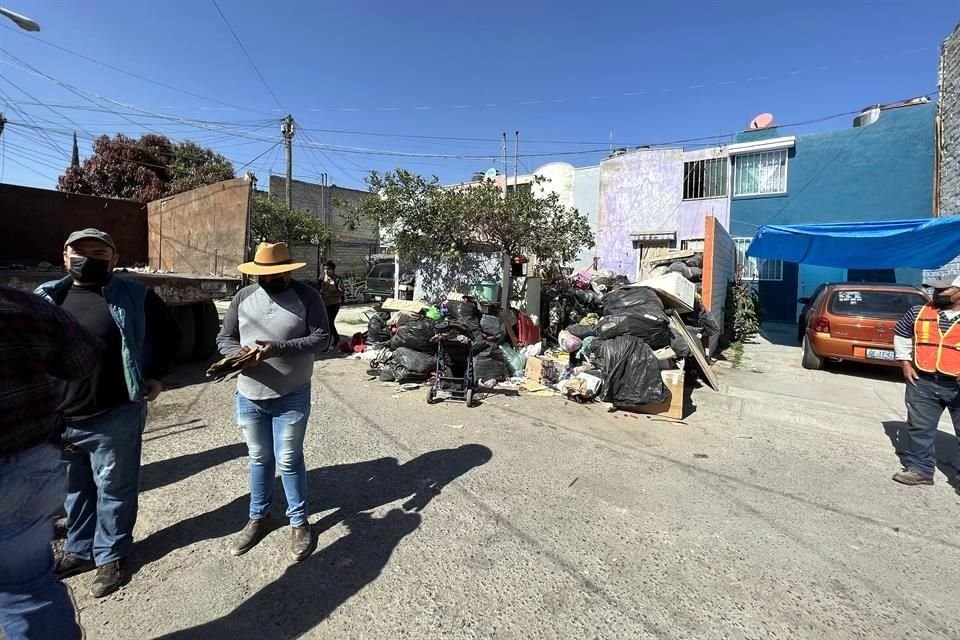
pixel 873 304
pixel 382 271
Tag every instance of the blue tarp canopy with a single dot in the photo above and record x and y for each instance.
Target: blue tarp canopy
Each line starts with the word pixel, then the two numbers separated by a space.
pixel 890 244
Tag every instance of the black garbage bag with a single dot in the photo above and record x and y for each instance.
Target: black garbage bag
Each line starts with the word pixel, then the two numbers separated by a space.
pixel 415 361
pixel 653 328
pixel 416 335
pixel 632 300
pixel 693 274
pixel 486 367
pixel 631 374
pixel 461 309
pixel 582 331
pixel 492 327
pixel 378 328
pixel 679 345
pixel 695 261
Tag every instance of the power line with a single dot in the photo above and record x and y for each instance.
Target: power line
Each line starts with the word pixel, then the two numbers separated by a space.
pixel 257 158
pixel 130 73
pixel 244 49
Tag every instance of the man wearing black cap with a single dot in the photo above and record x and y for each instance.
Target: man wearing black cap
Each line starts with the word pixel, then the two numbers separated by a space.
pixel 106 413
pixel 927 343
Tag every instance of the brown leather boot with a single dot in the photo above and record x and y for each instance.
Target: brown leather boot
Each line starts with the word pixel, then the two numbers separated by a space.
pixel 912 477
pixel 301 545
pixel 252 534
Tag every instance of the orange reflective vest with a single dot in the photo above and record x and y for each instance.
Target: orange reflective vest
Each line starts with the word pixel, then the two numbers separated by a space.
pixel 934 351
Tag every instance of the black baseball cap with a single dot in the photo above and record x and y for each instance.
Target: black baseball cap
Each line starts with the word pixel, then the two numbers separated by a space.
pixel 90 234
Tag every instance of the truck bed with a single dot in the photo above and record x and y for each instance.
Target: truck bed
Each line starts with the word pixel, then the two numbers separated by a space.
pixel 175 289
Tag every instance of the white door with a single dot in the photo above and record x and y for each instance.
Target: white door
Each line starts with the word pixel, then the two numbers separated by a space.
pixel 812 276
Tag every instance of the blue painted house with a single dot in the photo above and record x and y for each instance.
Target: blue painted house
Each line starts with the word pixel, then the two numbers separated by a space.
pixel 882 168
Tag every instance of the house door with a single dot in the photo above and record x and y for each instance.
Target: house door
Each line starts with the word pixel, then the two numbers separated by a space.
pixel 646 251
pixel 812 277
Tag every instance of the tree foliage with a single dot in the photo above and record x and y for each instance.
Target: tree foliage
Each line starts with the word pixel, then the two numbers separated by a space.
pixel 273 222
pixel 742 309
pixel 144 169
pixel 423 220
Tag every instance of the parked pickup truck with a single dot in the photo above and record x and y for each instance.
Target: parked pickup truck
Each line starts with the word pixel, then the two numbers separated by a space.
pixel 194 241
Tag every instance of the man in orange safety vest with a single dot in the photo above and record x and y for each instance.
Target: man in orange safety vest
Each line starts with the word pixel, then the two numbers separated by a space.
pixel 927 344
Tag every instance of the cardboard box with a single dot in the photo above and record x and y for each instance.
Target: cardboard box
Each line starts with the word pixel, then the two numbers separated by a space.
pixel 411 306
pixel 674 408
pixel 537 367
pixel 676 291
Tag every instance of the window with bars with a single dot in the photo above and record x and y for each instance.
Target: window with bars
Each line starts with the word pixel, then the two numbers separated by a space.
pixel 757 269
pixel 762 173
pixel 705 179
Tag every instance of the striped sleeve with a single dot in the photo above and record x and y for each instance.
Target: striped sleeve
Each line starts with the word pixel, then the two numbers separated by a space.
pixel 905 325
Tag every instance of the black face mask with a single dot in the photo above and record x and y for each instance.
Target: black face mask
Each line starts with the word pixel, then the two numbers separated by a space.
pixel 942 300
pixel 86 270
pixel 276 285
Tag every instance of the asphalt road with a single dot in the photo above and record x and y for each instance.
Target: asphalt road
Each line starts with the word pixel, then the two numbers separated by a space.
pixel 534 518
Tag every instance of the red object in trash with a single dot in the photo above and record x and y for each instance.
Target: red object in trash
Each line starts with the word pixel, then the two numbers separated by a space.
pixel 356 344
pixel 527 332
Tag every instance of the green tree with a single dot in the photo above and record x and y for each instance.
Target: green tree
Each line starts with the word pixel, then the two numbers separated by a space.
pixel 194 166
pixel 425 221
pixel 273 222
pixel 144 169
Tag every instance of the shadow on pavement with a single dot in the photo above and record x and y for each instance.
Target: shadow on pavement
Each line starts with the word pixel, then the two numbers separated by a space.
pixel 946 448
pixel 309 591
pixel 164 472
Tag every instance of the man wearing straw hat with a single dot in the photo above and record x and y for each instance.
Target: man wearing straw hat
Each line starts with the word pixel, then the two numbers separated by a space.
pixel 285 323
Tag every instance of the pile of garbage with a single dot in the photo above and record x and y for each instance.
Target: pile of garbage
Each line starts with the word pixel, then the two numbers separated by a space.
pixel 401 346
pixel 622 337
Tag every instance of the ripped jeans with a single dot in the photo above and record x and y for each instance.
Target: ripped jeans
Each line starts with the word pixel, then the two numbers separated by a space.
pixel 274 431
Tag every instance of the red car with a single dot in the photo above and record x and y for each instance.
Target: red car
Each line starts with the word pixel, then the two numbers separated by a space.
pixel 854 322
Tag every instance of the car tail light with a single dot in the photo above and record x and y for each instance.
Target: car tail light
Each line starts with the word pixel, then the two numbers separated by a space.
pixel 821 325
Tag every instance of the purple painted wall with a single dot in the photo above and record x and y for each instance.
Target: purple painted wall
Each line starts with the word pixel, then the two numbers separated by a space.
pixel 640 192
pixel 693 213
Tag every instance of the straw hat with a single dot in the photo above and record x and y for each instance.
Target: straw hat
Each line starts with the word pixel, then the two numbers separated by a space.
pixel 270 259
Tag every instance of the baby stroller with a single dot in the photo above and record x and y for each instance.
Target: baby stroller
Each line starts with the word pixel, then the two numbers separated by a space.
pixel 454 356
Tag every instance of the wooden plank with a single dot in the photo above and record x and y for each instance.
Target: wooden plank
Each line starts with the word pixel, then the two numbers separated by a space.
pixel 410 306
pixel 505 319
pixel 696 348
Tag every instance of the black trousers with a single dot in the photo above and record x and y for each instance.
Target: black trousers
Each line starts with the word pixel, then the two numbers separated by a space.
pixel 332 311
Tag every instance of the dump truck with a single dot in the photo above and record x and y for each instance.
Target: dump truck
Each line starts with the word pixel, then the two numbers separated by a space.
pixel 185 247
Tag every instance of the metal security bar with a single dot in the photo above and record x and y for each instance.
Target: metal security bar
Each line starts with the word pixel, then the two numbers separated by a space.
pixel 754 269
pixel 760 173
pixel 705 179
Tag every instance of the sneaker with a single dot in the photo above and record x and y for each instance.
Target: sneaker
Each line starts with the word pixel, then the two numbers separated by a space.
pixel 912 477
pixel 109 578
pixel 252 534
pixel 70 565
pixel 301 542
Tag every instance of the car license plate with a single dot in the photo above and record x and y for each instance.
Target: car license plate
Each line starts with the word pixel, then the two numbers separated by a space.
pixel 879 354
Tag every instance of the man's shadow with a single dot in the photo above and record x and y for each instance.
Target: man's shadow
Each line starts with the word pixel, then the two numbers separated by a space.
pixel 945 446
pixel 163 472
pixel 348 489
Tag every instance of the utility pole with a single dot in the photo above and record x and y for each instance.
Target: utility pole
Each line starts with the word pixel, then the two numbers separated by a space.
pixel 505 257
pixel 287 129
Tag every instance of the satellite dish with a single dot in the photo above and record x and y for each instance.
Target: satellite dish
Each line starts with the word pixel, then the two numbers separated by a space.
pixel 762 121
pixel 490 173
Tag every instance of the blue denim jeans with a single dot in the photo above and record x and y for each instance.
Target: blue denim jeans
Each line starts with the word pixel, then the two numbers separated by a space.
pixel 33 601
pixel 274 431
pixel 103 482
pixel 925 404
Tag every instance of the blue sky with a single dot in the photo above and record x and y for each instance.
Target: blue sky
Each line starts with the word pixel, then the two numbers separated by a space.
pixel 560 72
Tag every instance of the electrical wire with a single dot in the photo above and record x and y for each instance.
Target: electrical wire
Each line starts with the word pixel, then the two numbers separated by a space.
pixel 244 49
pixel 130 73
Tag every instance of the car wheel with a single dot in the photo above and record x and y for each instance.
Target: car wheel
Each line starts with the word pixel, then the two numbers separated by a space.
pixel 810 360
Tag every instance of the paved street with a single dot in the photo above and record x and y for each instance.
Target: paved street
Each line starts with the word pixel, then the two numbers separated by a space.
pixel 536 518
